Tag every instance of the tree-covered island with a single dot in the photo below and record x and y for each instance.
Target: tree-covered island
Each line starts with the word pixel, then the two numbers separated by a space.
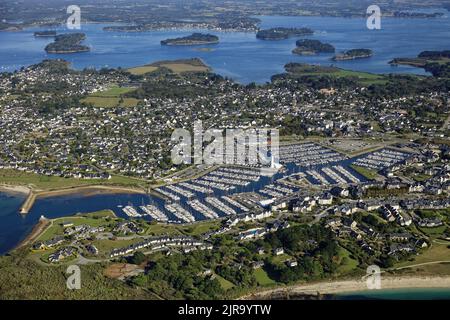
pixel 67 43
pixel 45 34
pixel 283 33
pixel 312 47
pixel 353 54
pixel 193 39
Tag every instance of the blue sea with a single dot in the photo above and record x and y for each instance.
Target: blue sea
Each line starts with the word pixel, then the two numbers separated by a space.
pixel 239 55
pixel 398 294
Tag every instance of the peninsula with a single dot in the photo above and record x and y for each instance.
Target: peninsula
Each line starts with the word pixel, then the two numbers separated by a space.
pixel 435 62
pixel 312 47
pixel 283 33
pixel 67 43
pixel 353 54
pixel 193 39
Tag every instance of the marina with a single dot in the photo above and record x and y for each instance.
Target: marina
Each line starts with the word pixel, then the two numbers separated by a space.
pixel 178 211
pixel 216 203
pixel 131 212
pixel 308 154
pixel 276 191
pixel 203 209
pixel 196 188
pixel 235 203
pixel 180 191
pixel 168 194
pixel 154 213
pixel 381 159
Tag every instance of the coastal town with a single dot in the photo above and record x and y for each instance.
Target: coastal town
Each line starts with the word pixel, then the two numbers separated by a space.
pixel 374 177
pixel 168 180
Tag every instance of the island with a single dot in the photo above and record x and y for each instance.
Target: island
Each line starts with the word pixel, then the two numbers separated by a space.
pixel 353 54
pixel 67 43
pixel 435 62
pixel 45 34
pixel 312 47
pixel 283 33
pixel 422 15
pixel 193 39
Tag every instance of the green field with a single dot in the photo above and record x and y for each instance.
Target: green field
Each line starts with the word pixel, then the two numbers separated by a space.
pixel 262 278
pixel 111 98
pixel 421 177
pixel 114 91
pixel 347 264
pixel 438 252
pixel 95 219
pixel 364 78
pixel 176 66
pixel 195 229
pixel 367 173
pixel 110 102
pixel 138 71
pixel 224 283
pixel 184 67
pixel 434 232
pixel 105 245
pixel 14 177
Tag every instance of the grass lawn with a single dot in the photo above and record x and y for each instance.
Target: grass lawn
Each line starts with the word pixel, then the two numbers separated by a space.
pixel 262 277
pixel 113 92
pixel 434 232
pixel 14 177
pixel 421 177
pixel 224 283
pixel 111 98
pixel 363 77
pixel 428 270
pixel 184 67
pixel 442 213
pixel 105 246
pixel 159 229
pixel 142 70
pixel 367 173
pixel 191 230
pixel 437 252
pixel 282 258
pixel 200 228
pixel 94 219
pixel 347 264
pixel 315 70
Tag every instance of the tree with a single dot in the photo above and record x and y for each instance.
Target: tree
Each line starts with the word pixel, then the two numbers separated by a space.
pixel 137 258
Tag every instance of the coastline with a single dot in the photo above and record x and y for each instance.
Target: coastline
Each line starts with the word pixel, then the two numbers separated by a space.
pixel 33 195
pixel 350 286
pixel 35 233
pixel 14 189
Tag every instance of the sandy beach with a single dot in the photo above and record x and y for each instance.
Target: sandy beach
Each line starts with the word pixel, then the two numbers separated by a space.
pixel 346 286
pixel 14 189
